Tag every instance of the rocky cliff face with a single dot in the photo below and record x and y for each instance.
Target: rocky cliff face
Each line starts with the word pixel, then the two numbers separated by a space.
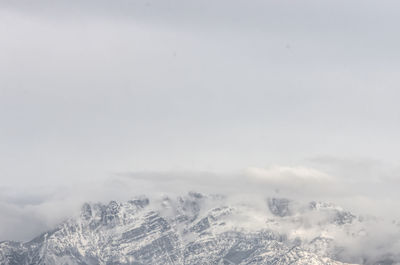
pixel 192 229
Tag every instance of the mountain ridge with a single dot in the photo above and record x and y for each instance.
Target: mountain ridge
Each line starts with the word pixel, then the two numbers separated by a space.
pixel 190 229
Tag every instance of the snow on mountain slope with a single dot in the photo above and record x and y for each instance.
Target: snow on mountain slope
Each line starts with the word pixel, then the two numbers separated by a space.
pixel 192 229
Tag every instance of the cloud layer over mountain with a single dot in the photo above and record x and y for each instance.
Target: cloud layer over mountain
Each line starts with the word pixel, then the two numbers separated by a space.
pixel 103 100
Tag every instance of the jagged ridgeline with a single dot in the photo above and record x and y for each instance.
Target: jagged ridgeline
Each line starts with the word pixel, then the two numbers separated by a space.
pixel 190 229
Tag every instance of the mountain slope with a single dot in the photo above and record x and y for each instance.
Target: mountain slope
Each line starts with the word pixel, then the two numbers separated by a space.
pixel 193 229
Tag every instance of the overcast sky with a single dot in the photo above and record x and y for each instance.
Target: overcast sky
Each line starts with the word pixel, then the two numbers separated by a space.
pixel 90 89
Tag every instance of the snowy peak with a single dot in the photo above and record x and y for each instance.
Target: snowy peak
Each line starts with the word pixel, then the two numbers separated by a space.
pixel 189 229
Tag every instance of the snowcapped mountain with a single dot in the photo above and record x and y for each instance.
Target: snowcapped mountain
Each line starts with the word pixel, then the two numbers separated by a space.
pixel 193 229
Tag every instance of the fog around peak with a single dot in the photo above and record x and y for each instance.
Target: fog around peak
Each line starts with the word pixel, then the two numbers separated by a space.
pixel 105 100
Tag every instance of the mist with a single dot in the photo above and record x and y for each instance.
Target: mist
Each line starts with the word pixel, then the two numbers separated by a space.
pixel 105 101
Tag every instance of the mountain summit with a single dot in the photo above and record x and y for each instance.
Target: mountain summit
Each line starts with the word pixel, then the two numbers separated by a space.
pixel 190 229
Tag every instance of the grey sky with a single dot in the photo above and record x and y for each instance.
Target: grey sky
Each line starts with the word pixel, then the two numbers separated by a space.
pixel 89 89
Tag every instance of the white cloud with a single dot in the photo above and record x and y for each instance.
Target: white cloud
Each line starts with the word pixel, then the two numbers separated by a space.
pixel 284 174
